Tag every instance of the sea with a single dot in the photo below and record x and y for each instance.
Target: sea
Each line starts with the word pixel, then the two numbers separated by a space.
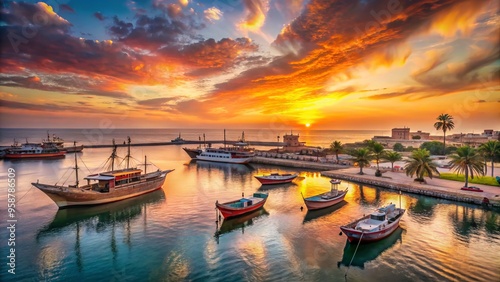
pixel 174 234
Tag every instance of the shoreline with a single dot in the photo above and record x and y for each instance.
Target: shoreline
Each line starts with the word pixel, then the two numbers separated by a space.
pixel 398 181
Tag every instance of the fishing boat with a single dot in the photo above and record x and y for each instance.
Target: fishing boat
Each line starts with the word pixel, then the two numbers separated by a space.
pixel 327 199
pixel 242 206
pixel 472 188
pixel 275 178
pixel 33 151
pixel 375 226
pixel 224 156
pixel 105 187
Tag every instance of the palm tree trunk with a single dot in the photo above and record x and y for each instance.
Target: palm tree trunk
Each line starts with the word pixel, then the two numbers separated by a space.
pixel 360 169
pixel 466 177
pixel 491 167
pixel 337 155
pixel 444 142
pixel 392 166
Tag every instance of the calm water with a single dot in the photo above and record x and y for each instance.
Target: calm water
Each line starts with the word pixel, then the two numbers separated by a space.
pixel 171 234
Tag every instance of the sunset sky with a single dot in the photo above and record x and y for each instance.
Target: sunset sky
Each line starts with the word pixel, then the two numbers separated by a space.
pixel 353 64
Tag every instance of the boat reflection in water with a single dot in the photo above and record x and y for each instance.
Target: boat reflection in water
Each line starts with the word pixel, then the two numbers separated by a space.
pixel 370 251
pixel 101 216
pixel 231 224
pixel 277 186
pixel 314 214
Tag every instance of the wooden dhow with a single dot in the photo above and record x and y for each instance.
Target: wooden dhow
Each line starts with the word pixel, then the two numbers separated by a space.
pixel 105 187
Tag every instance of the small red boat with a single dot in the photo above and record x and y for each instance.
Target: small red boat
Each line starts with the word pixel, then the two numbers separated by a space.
pixel 242 206
pixel 276 178
pixel 375 226
pixel 472 188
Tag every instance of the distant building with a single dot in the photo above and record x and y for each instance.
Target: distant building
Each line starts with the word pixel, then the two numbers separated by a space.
pixel 292 140
pixel 401 133
pixel 423 135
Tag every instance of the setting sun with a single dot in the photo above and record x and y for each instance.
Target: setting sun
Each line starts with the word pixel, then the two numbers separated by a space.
pixel 308 124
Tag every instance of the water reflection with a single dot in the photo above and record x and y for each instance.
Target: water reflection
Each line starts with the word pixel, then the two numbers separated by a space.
pixel 369 196
pixel 240 222
pixel 314 214
pixel 100 217
pixel 423 208
pixel 273 187
pixel 370 251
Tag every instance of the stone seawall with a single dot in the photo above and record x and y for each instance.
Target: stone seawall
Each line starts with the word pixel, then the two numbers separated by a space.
pixel 421 189
pixel 297 163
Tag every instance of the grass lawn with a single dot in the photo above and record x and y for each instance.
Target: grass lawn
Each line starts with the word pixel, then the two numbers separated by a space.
pixel 487 180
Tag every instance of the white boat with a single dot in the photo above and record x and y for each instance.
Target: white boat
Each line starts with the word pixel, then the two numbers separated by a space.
pixel 276 178
pixel 375 226
pixel 224 156
pixel 327 199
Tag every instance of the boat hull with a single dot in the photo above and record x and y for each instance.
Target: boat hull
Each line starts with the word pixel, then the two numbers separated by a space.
pixel 192 153
pixel 69 196
pixel 73 149
pixel 267 181
pixel 223 160
pixel 54 155
pixel 316 202
pixel 354 235
pixel 228 212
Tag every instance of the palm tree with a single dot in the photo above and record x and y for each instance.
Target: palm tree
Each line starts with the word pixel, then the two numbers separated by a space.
pixel 378 153
pixel 467 160
pixel 393 156
pixel 420 164
pixel 362 156
pixel 491 149
pixel 445 123
pixel 337 148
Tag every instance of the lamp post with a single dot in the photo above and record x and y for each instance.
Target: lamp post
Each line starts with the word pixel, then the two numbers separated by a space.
pixel 278 145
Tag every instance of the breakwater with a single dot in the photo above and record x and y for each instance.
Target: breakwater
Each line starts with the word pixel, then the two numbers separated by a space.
pixel 297 163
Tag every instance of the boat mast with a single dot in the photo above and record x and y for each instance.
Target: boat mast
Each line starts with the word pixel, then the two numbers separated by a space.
pixel 76 166
pixel 145 164
pixel 128 152
pixel 113 156
pixel 224 138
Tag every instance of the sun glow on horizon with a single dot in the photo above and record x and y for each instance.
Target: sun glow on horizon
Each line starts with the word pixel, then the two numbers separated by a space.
pixel 308 125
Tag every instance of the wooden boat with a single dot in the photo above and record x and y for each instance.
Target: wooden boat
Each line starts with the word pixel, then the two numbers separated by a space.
pixel 471 188
pixel 375 226
pixel 327 199
pixel 33 151
pixel 276 178
pixel 107 187
pixel 242 206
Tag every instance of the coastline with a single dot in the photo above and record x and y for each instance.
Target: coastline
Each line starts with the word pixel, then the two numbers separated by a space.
pixel 436 187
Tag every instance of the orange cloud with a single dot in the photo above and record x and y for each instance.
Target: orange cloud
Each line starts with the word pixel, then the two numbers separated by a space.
pixel 256 12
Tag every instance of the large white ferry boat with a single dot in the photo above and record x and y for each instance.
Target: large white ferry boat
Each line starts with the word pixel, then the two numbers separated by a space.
pixel 224 156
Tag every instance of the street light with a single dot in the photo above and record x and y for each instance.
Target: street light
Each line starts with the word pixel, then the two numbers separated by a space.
pixel 278 145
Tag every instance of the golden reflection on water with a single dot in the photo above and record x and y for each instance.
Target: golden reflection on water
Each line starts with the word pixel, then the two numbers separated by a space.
pixel 252 251
pixel 49 260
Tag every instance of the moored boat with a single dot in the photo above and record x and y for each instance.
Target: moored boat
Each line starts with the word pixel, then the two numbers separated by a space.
pixel 242 206
pixel 327 199
pixel 178 140
pixel 192 153
pixel 375 226
pixel 471 188
pixel 33 151
pixel 58 143
pixel 224 156
pixel 275 178
pixel 106 187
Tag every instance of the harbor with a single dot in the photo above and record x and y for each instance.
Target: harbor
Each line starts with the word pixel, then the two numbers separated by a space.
pixel 175 226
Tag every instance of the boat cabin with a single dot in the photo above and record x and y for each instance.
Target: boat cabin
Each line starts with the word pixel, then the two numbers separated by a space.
pixel 107 181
